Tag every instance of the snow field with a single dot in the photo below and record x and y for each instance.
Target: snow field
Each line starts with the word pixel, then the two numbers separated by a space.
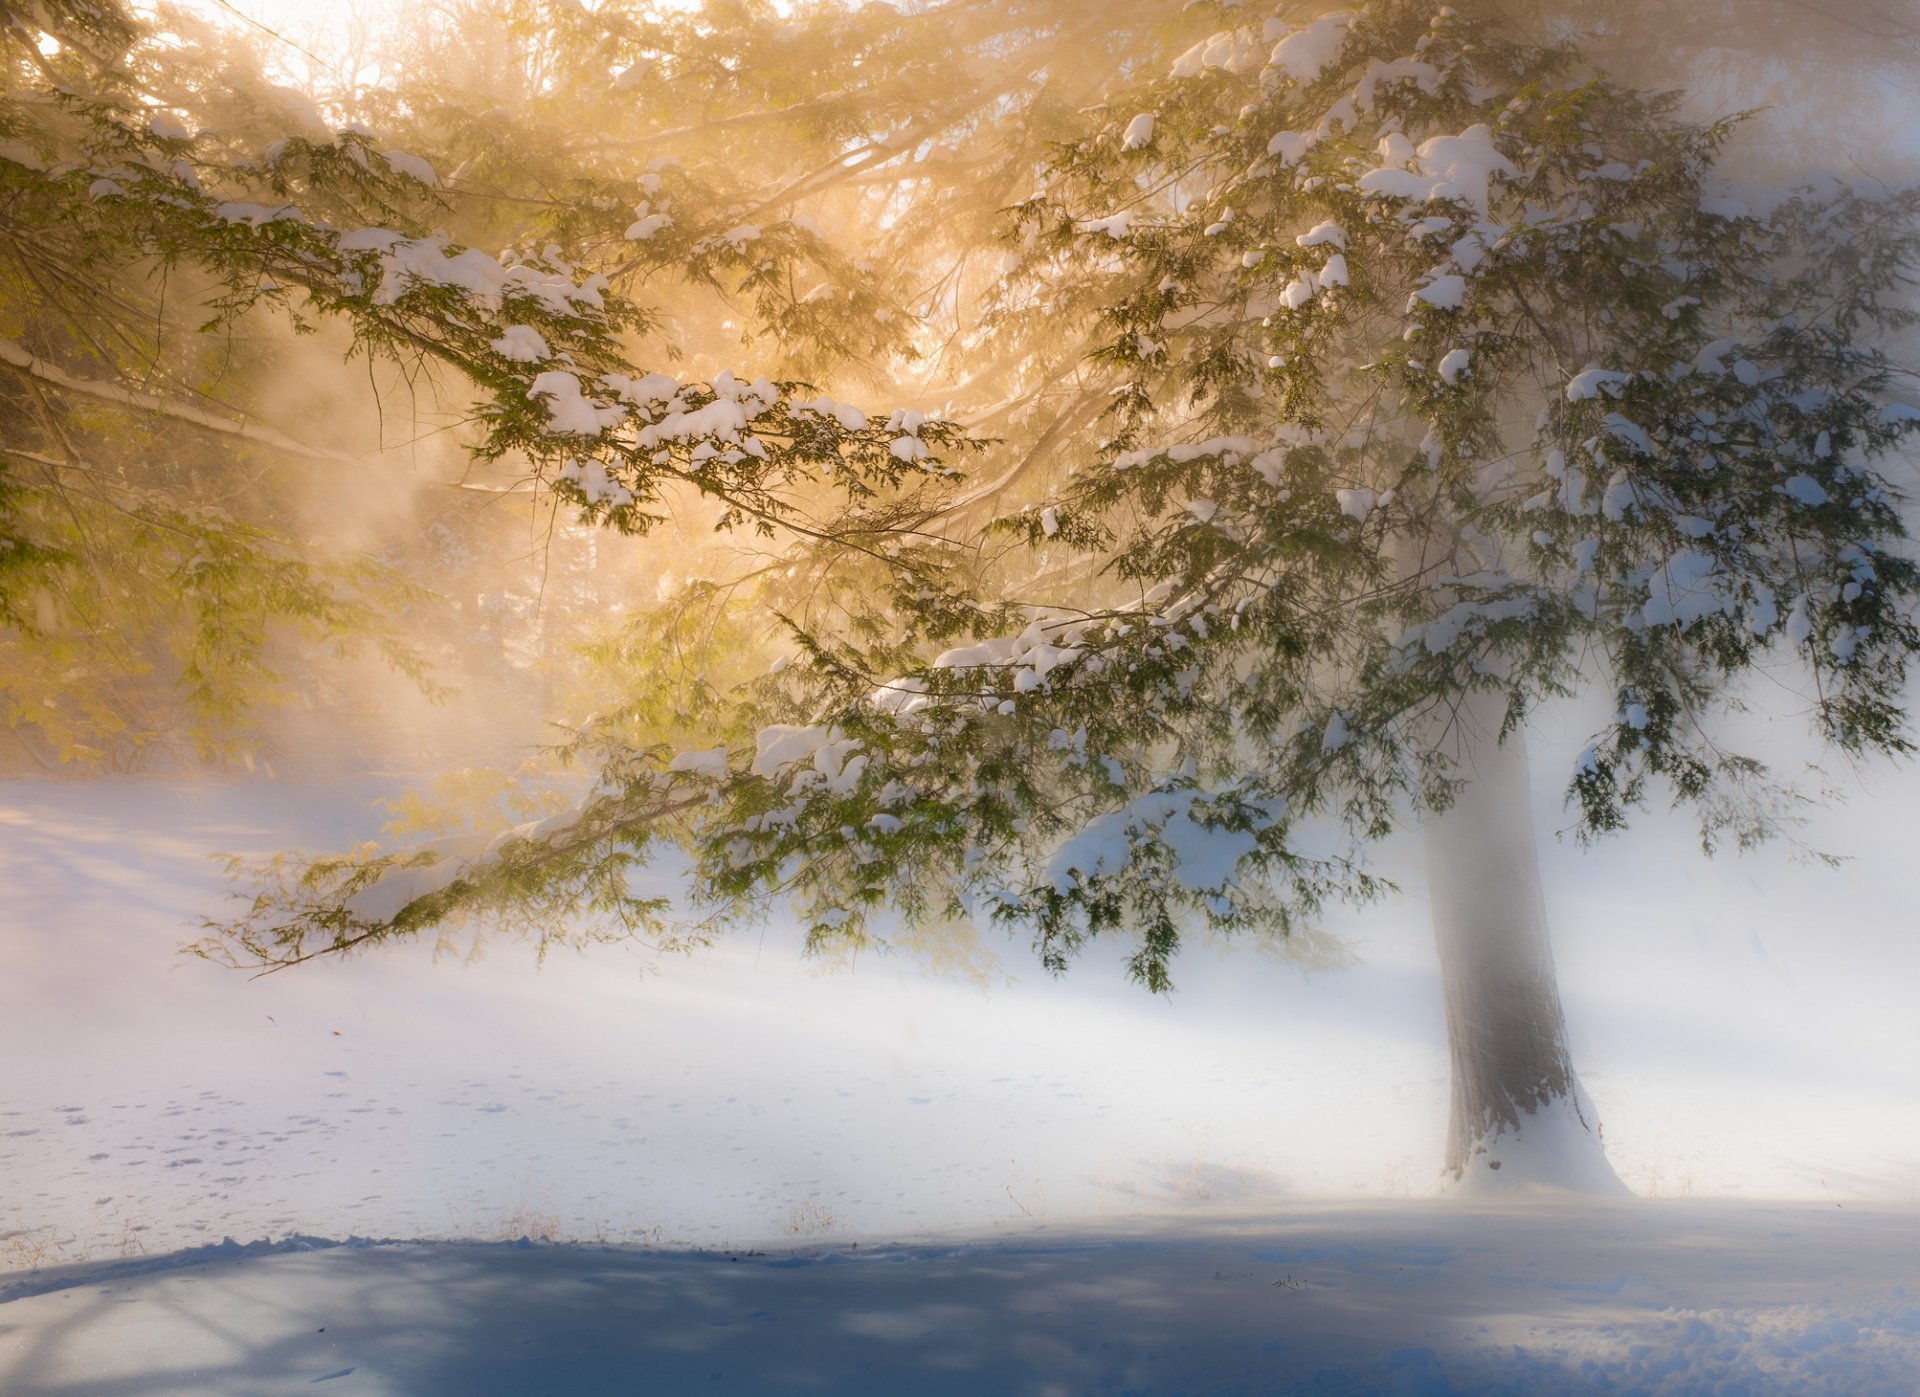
pixel 1403 1299
pixel 1743 1028
pixel 1731 1053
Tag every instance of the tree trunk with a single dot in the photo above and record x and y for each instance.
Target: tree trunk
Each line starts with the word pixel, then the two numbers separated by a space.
pixel 1518 1119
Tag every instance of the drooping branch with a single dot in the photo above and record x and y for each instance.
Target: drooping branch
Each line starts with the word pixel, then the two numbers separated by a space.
pixel 17 357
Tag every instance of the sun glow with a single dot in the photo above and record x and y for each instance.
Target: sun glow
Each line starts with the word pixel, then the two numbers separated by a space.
pixel 307 42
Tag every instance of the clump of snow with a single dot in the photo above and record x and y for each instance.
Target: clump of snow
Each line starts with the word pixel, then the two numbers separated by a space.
pixel 254 215
pixel 646 226
pixel 735 405
pixel 296 115
pixel 1304 54
pixel 782 745
pixel 849 417
pixel 570 411
pixel 1423 75
pixel 711 762
pixel 1590 383
pixel 1356 504
pixel 1453 364
pixel 412 166
pixel 442 862
pixel 1291 147
pixel 1032 656
pixel 1444 292
pixel 646 391
pixel 1224 49
pixel 543 828
pixel 406 261
pixel 736 237
pixel 594 482
pixel 1464 165
pixel 1804 489
pixel 1711 359
pixel 1627 430
pixel 1139 132
pixel 1230 450
pixel 1458 167
pixel 1686 587
pixel 368 240
pixel 1470 618
pixel 522 344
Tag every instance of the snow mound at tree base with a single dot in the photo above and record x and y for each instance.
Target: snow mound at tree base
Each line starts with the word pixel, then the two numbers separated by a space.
pixel 1556 1151
pixel 1660 1298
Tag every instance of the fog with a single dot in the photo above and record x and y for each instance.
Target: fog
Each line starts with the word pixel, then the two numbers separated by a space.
pixel 415 609
pixel 1743 1027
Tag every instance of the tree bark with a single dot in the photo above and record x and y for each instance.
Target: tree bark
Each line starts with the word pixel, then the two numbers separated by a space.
pixel 1518 1119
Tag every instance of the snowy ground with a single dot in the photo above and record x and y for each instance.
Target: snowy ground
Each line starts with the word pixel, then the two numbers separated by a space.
pixel 1409 1299
pixel 1745 1027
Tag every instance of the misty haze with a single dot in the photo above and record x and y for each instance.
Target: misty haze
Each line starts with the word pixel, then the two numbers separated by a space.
pixel 969 696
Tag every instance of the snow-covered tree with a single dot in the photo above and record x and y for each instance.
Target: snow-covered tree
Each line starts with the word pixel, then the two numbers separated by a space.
pixel 1375 377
